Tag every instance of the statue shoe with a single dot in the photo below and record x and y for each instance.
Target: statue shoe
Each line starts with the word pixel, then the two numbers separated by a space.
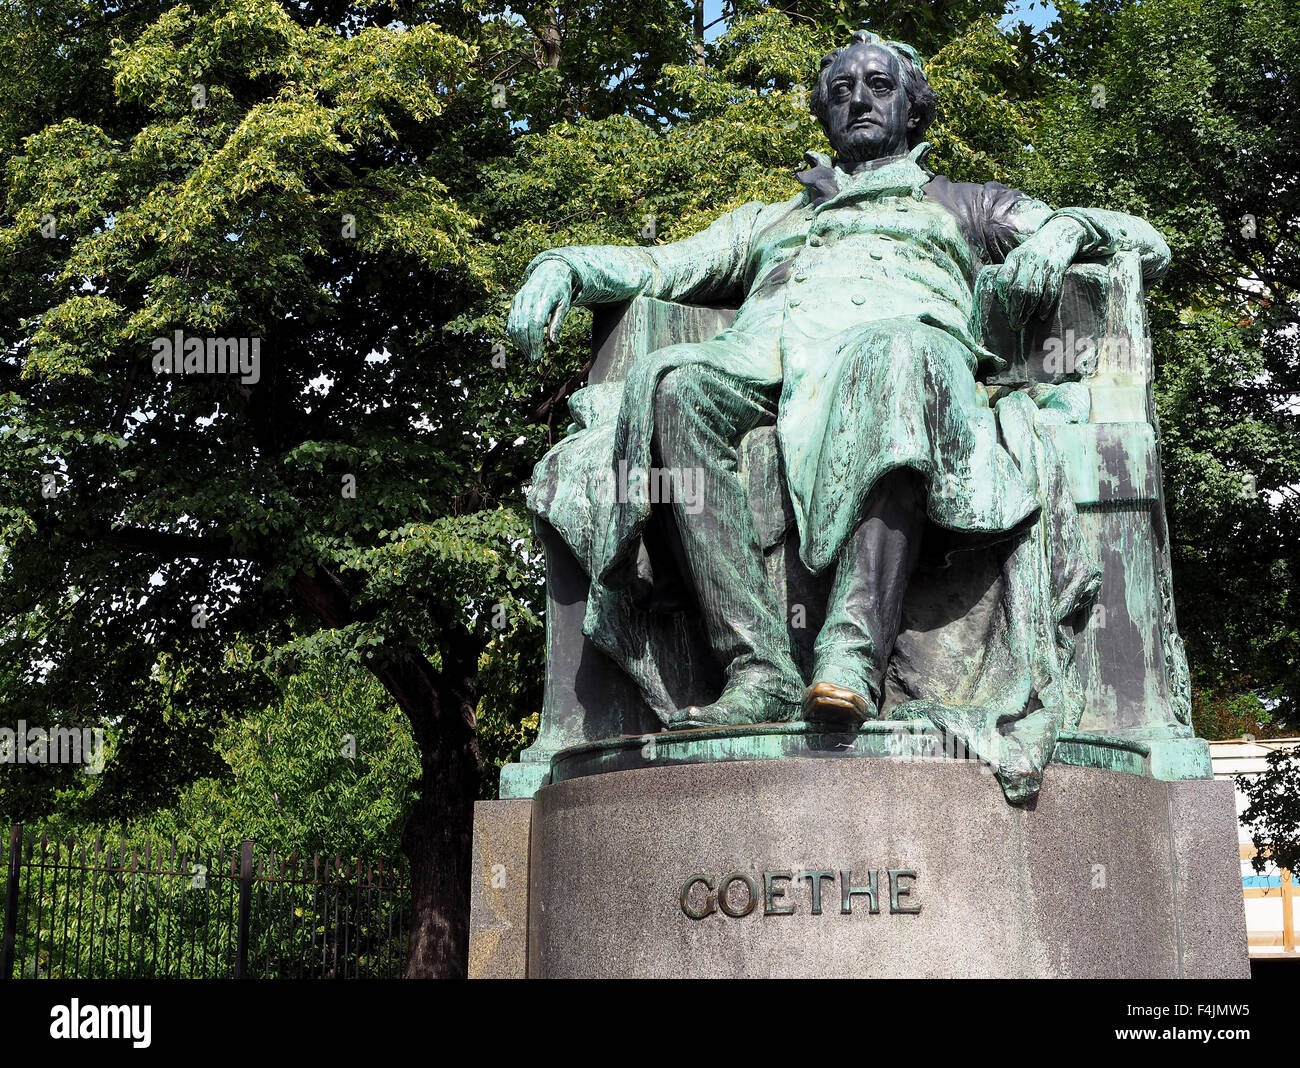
pixel 738 706
pixel 835 707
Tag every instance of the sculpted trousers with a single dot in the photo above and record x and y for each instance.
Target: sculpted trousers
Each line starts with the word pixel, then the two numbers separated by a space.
pixel 701 414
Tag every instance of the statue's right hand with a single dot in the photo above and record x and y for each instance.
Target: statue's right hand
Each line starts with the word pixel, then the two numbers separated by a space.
pixel 543 300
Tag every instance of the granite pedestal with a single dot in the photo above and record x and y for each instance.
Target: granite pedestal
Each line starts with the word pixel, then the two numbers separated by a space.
pixel 1107 874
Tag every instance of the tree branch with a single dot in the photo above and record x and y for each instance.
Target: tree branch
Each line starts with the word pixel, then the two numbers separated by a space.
pixel 173 546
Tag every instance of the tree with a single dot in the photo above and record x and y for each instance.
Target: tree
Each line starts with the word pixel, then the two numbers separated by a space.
pixel 1185 113
pixel 303 176
pixel 1273 813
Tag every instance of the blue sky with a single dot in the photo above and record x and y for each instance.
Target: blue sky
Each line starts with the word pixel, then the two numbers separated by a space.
pixel 1037 14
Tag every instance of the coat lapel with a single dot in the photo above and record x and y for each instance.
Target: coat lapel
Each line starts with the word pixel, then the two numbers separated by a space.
pixel 820 179
pixel 900 174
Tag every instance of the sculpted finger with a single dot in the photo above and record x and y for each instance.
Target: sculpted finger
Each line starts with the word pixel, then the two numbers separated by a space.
pixel 1028 288
pixel 516 326
pixel 1053 279
pixel 534 315
pixel 1002 279
pixel 1012 298
pixel 557 318
pixel 1031 290
pixel 537 332
pixel 528 316
pixel 1015 300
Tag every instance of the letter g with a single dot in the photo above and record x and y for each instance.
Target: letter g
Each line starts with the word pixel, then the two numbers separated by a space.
pixel 710 902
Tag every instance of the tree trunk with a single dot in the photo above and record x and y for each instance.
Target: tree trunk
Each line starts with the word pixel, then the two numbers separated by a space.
pixel 552 42
pixel 441 707
pixel 438 834
pixel 437 840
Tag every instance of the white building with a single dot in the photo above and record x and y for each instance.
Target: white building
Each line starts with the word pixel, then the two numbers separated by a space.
pixel 1270 917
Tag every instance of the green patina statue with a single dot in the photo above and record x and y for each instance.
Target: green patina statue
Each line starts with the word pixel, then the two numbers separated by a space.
pixel 858 335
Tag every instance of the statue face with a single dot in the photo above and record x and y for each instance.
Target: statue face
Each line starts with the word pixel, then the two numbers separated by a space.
pixel 868 114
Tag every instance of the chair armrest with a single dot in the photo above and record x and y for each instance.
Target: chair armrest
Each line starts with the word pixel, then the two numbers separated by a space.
pixel 626 331
pixel 1097 332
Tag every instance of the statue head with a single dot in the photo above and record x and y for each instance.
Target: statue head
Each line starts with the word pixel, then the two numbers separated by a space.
pixel 872 99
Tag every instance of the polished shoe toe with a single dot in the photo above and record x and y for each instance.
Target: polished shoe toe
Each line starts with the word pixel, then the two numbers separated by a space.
pixel 828 705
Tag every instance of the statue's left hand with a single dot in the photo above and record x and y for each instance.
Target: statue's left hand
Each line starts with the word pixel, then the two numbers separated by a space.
pixel 1029 280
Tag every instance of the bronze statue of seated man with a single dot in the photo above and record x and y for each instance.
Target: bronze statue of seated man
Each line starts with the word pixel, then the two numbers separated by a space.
pixel 854 334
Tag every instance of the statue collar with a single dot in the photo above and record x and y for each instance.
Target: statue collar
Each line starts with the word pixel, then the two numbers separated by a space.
pixel 825 179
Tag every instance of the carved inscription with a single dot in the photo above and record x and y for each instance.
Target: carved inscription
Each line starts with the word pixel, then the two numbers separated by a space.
pixel 739 893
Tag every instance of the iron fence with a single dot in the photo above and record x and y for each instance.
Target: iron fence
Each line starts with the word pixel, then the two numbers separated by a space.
pixel 86 911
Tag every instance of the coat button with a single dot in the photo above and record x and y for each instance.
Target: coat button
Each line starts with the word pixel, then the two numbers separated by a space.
pixel 814 241
pixel 794 302
pixel 858 298
pixel 876 254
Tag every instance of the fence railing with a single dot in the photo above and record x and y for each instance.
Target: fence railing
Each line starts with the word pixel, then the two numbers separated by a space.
pixel 89 911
